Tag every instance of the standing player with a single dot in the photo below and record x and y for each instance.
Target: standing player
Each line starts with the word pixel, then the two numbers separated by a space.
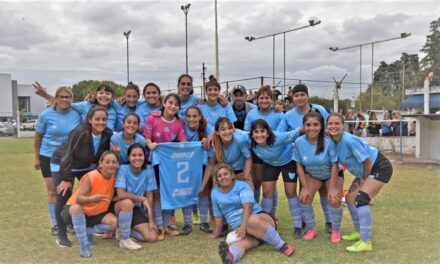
pixel 186 93
pixel 371 170
pixel 53 126
pixel 317 165
pixel 152 103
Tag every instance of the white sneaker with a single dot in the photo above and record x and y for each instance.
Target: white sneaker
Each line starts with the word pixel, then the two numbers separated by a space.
pixel 129 244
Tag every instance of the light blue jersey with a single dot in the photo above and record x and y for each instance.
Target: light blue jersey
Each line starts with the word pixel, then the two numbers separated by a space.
pixel 96 142
pixel 230 204
pixel 137 184
pixel 317 165
pixel 237 152
pixel 193 135
pixel 180 171
pixel 281 152
pixel 214 112
pixel 272 118
pixel 144 110
pixel 293 119
pixel 83 108
pixel 118 139
pixel 192 100
pixel 352 152
pixel 122 112
pixel 55 127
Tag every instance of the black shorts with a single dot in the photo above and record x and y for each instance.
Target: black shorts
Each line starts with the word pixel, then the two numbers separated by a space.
pixel 288 171
pixel 45 166
pixel 140 216
pixel 255 158
pixel 90 220
pixel 156 174
pixel 382 169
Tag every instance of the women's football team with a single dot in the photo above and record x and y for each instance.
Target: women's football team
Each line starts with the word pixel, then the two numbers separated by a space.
pixel 106 144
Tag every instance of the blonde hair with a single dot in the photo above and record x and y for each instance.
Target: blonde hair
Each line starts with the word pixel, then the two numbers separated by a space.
pixel 220 166
pixel 58 91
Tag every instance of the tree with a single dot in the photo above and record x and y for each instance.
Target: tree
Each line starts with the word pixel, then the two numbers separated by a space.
pixel 431 61
pixel 82 88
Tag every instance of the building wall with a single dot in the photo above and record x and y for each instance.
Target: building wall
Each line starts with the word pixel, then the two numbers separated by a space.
pixel 37 103
pixel 428 139
pixel 392 144
pixel 6 97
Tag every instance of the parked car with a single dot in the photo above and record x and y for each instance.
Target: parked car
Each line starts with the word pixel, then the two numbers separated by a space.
pixel 29 125
pixel 7 131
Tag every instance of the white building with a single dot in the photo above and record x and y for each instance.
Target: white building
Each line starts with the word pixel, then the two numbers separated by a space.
pixel 18 98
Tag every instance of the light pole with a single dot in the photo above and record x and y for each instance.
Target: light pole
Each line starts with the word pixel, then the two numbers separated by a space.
pixel 312 22
pixel 127 34
pixel 402 35
pixel 185 10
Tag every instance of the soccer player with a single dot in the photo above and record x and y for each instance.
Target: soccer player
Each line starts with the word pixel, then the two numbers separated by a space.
pixel 88 206
pixel 78 155
pixel 53 126
pixel 212 109
pixel 121 141
pixel 165 126
pixel 151 103
pixel 186 93
pixel 234 202
pixel 275 150
pixel 134 186
pixel 317 165
pixel 371 170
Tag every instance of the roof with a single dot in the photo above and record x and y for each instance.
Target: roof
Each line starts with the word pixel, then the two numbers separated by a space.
pixel 416 101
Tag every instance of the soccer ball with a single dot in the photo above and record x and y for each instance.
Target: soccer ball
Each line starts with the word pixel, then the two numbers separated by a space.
pixel 232 237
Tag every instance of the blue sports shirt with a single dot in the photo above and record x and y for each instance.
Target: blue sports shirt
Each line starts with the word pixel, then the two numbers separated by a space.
pixel 272 118
pixel 237 152
pixel 83 108
pixel 293 119
pixel 192 100
pixel 281 152
pixel 118 139
pixel 214 112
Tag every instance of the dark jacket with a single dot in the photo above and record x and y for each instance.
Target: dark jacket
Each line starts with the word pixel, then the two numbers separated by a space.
pixel 76 153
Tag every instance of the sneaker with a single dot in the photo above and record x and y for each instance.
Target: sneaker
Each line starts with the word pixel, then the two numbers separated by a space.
pixel 169 230
pixel 335 237
pixel 287 250
pixel 186 230
pixel 297 234
pixel 160 234
pixel 129 244
pixel 63 241
pixel 311 234
pixel 205 228
pixel 352 236
pixel 84 250
pixel 360 246
pixel 224 231
pixel 54 230
pixel 328 227
pixel 107 235
pixel 196 219
pixel 225 254
pixel 173 222
pixel 70 229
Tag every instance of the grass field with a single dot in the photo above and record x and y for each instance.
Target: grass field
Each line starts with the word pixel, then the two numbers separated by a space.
pixel 406 224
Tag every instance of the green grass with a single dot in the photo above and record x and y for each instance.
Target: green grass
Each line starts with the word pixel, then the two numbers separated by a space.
pixel 406 224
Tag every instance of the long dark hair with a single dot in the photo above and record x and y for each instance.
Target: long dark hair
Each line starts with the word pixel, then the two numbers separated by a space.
pixel 262 124
pixel 180 78
pixel 135 146
pixel 202 123
pixel 150 84
pixel 162 109
pixel 86 124
pixel 132 86
pixel 218 143
pixel 318 116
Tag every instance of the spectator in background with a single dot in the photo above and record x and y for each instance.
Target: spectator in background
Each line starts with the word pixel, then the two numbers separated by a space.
pixel 396 125
pixel 373 125
pixel 275 94
pixel 386 126
pixel 251 97
pixel 349 124
pixel 240 106
pixel 359 124
pixel 412 129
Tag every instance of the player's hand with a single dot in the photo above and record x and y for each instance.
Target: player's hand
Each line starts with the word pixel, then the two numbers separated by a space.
pixel 153 226
pixel 63 187
pixel 305 195
pixel 100 198
pixel 39 89
pixel 152 146
pixel 241 230
pixel 37 164
pixel 115 148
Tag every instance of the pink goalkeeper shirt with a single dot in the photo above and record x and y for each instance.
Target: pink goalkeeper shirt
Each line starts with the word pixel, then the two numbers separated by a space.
pixel 159 130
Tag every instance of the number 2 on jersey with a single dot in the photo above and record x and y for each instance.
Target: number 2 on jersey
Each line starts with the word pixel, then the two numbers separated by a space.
pixel 182 167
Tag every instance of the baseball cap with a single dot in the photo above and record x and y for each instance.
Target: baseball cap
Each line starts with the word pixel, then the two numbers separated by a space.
pixel 240 88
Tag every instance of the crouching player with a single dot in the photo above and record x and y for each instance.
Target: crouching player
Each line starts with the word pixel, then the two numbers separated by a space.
pixel 134 186
pixel 234 201
pixel 88 206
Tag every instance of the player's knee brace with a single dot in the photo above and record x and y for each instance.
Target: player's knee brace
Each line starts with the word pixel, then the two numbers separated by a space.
pixel 362 199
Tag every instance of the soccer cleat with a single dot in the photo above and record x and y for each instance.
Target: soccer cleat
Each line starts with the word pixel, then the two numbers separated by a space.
pixel 107 235
pixel 335 237
pixel 205 228
pixel 196 219
pixel 129 244
pixel 328 227
pixel 160 234
pixel 169 230
pixel 360 246
pixel 62 241
pixel 353 236
pixel 54 230
pixel 287 250
pixel 297 234
pixel 186 230
pixel 173 222
pixel 311 234
pixel 225 254
pixel 84 250
pixel 224 230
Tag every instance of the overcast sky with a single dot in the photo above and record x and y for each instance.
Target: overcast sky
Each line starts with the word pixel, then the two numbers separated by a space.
pixel 61 43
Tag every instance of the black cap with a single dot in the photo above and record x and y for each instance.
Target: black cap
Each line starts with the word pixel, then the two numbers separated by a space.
pixel 240 88
pixel 300 88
